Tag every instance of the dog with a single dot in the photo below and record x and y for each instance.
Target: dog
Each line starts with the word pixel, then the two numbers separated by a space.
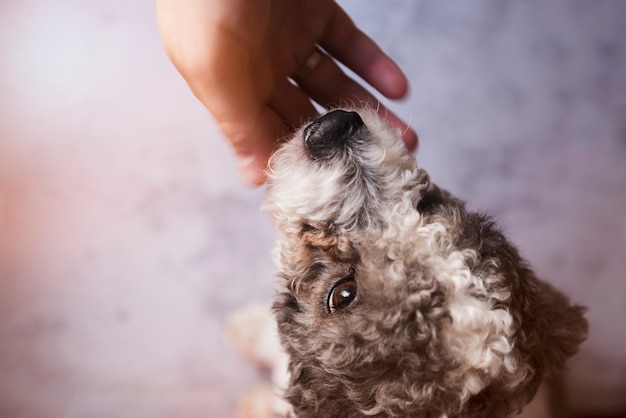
pixel 394 300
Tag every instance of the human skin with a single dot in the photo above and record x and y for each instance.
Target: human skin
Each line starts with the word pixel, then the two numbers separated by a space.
pixel 243 60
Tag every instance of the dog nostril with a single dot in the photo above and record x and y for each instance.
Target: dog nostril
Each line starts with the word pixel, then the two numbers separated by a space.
pixel 310 130
pixel 330 131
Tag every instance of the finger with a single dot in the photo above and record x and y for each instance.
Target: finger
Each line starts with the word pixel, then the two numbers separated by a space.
pixel 251 131
pixel 235 100
pixel 292 104
pixel 329 86
pixel 357 51
pixel 247 122
pixel 252 138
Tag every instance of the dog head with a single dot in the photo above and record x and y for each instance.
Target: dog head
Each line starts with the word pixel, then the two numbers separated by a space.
pixel 394 300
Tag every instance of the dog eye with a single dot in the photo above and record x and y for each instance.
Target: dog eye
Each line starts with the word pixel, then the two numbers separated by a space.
pixel 342 294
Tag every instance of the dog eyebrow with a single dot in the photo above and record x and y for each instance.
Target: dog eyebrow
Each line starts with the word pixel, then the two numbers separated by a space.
pixel 315 270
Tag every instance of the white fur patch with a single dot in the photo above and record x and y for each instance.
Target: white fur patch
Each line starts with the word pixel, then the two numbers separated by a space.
pixel 479 336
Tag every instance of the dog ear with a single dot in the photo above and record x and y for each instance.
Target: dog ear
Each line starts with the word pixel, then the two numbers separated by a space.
pixel 562 329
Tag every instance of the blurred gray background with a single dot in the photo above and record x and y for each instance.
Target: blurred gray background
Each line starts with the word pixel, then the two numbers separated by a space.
pixel 126 238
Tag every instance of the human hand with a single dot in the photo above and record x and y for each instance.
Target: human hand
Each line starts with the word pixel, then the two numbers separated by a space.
pixel 238 57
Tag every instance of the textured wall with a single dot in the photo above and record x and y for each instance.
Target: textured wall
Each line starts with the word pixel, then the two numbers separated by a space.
pixel 126 238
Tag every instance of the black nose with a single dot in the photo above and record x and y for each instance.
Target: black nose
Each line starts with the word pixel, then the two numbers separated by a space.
pixel 330 132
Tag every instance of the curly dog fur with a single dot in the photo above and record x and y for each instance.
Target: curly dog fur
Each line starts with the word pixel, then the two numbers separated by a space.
pixel 394 300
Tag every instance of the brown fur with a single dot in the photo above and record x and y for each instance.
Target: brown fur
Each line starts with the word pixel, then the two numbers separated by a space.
pixel 386 354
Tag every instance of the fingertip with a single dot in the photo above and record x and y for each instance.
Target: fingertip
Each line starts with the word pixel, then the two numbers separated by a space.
pixel 252 170
pixel 410 138
pixel 252 139
pixel 391 80
pixel 361 54
pixel 254 179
